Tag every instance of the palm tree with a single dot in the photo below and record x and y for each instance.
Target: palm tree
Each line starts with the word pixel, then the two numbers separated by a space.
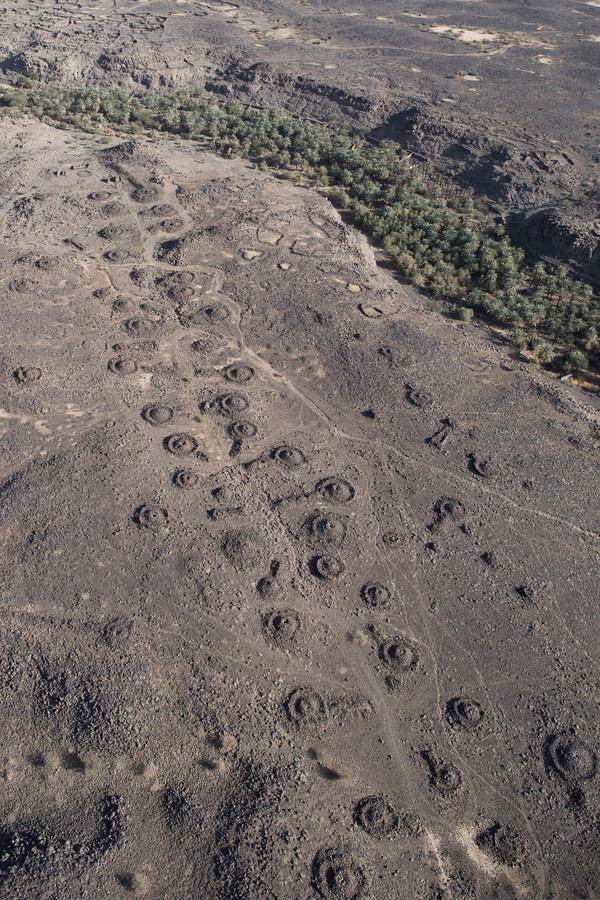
pixel 546 354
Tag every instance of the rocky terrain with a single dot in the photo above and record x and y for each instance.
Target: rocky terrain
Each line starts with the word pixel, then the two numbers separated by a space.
pixel 299 576
pixel 499 95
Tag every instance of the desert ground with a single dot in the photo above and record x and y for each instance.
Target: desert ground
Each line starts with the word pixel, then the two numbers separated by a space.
pixel 500 95
pixel 299 576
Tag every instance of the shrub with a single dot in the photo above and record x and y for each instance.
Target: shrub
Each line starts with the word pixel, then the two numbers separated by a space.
pixel 574 361
pixel 465 314
pixel 339 197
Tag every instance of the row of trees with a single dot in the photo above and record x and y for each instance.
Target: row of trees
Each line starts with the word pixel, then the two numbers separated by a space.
pixel 438 244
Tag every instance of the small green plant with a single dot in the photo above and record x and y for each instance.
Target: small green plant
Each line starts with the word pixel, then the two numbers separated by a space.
pixel 28 81
pixel 465 314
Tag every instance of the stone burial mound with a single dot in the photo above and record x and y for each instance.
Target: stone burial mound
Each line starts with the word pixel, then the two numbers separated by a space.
pixel 256 643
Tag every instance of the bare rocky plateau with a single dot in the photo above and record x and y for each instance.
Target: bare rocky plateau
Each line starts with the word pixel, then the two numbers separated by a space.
pixel 299 577
pixel 499 95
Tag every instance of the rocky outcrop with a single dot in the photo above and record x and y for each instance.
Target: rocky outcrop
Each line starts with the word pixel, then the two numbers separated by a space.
pixel 563 235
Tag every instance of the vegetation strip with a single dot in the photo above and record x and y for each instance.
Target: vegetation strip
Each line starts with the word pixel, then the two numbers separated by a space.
pixel 437 244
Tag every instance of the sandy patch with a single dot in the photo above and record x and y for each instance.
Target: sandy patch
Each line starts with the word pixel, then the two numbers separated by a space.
pixel 545 60
pixel 491 867
pixel 280 33
pixel 467 35
pixel 268 236
pixel 226 9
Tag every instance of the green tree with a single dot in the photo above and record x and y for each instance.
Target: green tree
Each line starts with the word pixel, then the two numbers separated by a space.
pixel 574 361
pixel 546 354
